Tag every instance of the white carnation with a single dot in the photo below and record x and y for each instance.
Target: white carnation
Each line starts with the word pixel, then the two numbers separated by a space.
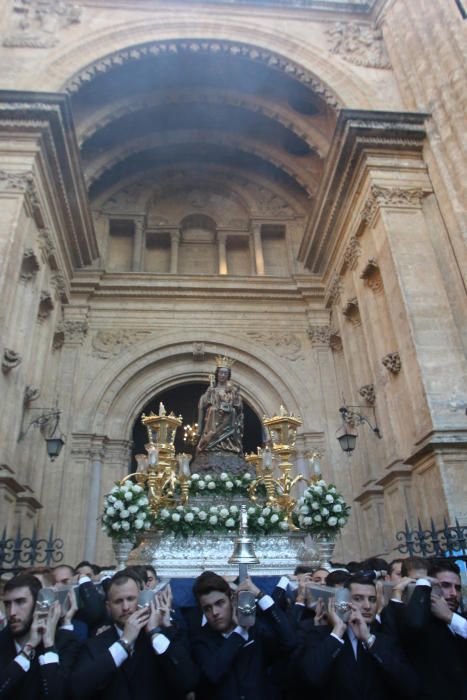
pixel 128 496
pixel 329 498
pixel 165 513
pixel 111 499
pixel 116 526
pixel 341 521
pixel 261 520
pixel 284 525
pixel 317 518
pixel 133 509
pixel 324 512
pixel 208 477
pixel 332 522
pixel 118 504
pixel 274 518
pixel 224 512
pixel 214 510
pixel 189 517
pixel 304 510
pixel 234 509
pixel 125 525
pixel 180 509
pixel 307 520
pixel 143 501
pixel 137 488
pixel 213 520
pixel 124 513
pixel 176 517
pixel 315 505
pixel 337 508
pixel 266 512
pixel 195 477
pixel 201 484
pixel 211 485
pixel 147 524
pixel 110 511
pixel 139 524
pixel 224 476
pixel 202 515
pixel 247 476
pixel 229 485
pixel 230 522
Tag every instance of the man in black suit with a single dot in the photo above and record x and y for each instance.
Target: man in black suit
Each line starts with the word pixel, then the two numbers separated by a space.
pixel 29 662
pixel 139 657
pixel 351 660
pixel 235 656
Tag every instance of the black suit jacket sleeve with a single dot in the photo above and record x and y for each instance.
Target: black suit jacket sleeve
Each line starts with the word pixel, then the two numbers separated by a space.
pixel 94 668
pixel 92 608
pixel 418 610
pixel 10 675
pixel 216 661
pixel 181 672
pixel 313 661
pixel 276 631
pixel 388 656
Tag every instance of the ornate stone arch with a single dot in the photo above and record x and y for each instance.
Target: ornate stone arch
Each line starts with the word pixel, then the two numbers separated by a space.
pixel 109 406
pixel 336 84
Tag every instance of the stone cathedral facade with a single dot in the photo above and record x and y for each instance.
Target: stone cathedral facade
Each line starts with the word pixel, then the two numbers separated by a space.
pixel 280 181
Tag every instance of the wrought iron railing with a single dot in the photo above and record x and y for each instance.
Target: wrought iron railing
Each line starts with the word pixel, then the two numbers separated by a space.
pixel 19 552
pixel 448 541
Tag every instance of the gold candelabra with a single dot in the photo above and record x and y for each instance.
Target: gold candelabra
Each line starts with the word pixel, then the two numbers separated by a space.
pixel 282 430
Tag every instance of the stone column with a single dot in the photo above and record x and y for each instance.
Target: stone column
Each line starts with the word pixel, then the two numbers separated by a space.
pixel 258 248
pixel 94 499
pixel 174 248
pixel 222 253
pixel 138 244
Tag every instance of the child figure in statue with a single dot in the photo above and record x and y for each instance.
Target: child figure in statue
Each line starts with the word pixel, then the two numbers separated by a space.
pixel 220 425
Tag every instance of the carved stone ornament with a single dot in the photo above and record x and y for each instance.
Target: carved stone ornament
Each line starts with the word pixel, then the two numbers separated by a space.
pixel 358 43
pixel 319 335
pixel 390 197
pixel 37 23
pixel 47 247
pixel 286 345
pixel 31 394
pixel 335 341
pixel 198 351
pixel 352 253
pixel 367 392
pixel 392 362
pixel 46 305
pixel 74 331
pixel 59 337
pixel 23 182
pixel 10 360
pixel 352 312
pixel 371 274
pixel 107 344
pixel 335 290
pixel 29 265
pixel 213 47
pixel 60 286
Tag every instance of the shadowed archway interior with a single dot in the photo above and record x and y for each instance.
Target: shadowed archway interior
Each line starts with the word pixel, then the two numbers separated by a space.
pixel 183 400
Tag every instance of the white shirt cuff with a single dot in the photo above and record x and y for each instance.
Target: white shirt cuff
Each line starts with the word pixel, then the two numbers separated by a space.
pixel 66 627
pixel 83 579
pixel 119 654
pixel 242 632
pixel 23 662
pixel 301 605
pixel 50 657
pixel 458 625
pixel 283 583
pixel 336 637
pixel 265 602
pixel 160 643
pixel 423 582
pixel 396 600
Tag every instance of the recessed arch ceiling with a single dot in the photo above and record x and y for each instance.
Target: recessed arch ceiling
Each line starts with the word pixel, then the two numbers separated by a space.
pixel 183 107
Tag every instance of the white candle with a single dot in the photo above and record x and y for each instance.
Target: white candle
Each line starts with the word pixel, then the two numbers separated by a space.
pixel 153 455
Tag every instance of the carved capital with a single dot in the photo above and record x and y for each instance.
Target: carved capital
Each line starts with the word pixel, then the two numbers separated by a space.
pixel 358 43
pixel 10 360
pixel 74 331
pixel 367 392
pixel 319 335
pixel 390 197
pixel 352 312
pixel 392 362
pixel 37 23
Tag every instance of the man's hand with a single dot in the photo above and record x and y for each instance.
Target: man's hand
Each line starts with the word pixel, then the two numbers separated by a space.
pixel 338 626
pixel 36 630
pixel 135 624
pixel 321 615
pixel 399 588
pixel 50 625
pixel 358 624
pixel 440 608
pixel 248 585
pixel 163 605
pixel 155 616
pixel 71 606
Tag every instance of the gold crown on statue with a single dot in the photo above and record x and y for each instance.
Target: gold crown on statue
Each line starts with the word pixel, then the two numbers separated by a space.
pixel 224 361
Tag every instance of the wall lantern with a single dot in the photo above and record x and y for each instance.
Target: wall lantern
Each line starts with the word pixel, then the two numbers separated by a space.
pixel 48 421
pixel 346 434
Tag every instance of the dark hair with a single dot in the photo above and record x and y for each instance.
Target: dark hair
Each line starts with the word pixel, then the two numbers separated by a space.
pixel 375 563
pixel 353 566
pixel 437 566
pixel 24 581
pixel 122 577
pixel 337 577
pixel 361 580
pixel 303 569
pixel 94 568
pixel 413 563
pixel 217 373
pixel 208 582
pixel 149 567
pixel 391 565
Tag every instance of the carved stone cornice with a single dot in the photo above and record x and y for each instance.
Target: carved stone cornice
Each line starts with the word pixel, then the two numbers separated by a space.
pixel 392 362
pixel 207 46
pixel 394 197
pixel 37 23
pixel 10 360
pixel 319 335
pixel 367 392
pixel 358 132
pixel 358 43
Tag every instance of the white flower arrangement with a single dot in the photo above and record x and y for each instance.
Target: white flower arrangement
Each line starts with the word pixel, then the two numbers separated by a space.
pixel 192 520
pixel 321 509
pixel 223 484
pixel 126 511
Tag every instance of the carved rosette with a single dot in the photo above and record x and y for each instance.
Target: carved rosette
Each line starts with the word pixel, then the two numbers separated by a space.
pixel 390 197
pixel 392 362
pixel 10 360
pixel 37 23
pixel 352 312
pixel 367 392
pixel 358 43
pixel 319 335
pixel 371 274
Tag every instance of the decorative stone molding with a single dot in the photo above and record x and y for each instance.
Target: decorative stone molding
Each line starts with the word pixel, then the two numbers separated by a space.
pixel 371 274
pixel 59 337
pixel 22 182
pixel 107 344
pixel 198 351
pixel 37 22
pixel 208 46
pixel 358 43
pixel 29 265
pixel 390 197
pixel 352 253
pixel 10 360
pixel 31 394
pixel 367 392
pixel 319 335
pixel 47 247
pixel 59 283
pixel 352 312
pixel 286 345
pixel 46 305
pixel 392 362
pixel 335 341
pixel 334 290
pixel 74 331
